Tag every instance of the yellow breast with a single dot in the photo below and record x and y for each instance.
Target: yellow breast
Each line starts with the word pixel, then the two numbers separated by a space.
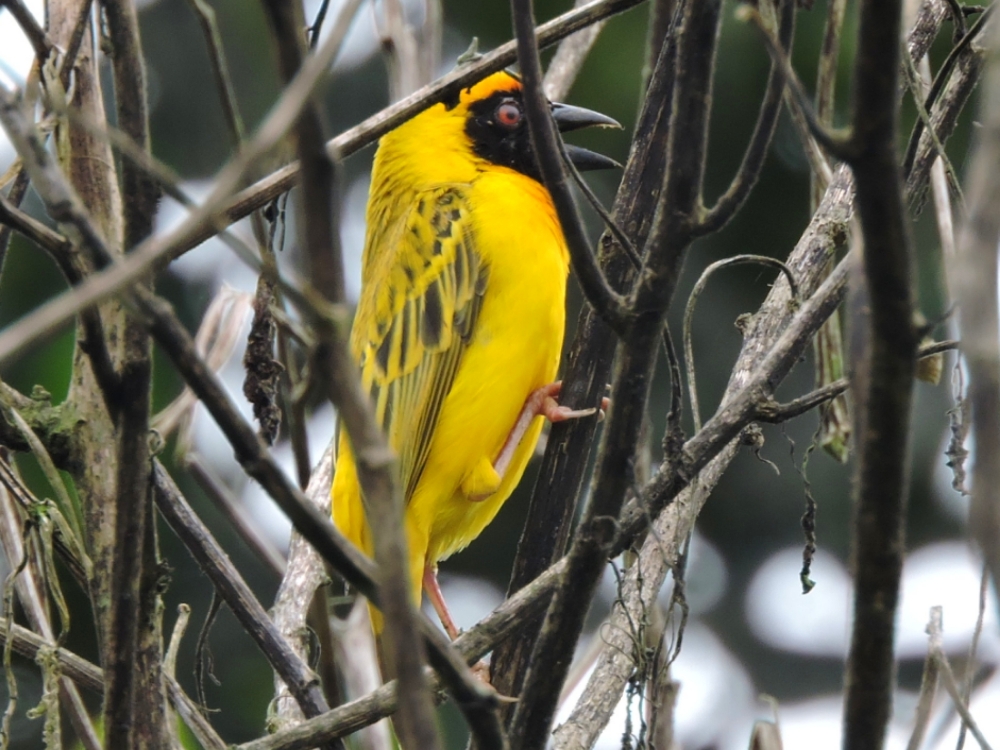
pixel 461 317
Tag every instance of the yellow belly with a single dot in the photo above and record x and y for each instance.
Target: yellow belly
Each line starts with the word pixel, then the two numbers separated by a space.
pixel 514 350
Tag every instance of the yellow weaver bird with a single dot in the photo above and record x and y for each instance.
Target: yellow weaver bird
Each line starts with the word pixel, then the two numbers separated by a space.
pixel 459 327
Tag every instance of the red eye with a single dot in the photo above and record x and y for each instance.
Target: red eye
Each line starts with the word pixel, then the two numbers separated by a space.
pixel 508 114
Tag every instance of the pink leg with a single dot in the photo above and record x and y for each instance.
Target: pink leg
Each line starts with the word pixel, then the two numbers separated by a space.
pixel 433 590
pixel 540 402
pixel 480 669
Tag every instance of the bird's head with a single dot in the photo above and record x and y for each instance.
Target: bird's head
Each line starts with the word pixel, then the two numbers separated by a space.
pixel 485 124
pixel 497 126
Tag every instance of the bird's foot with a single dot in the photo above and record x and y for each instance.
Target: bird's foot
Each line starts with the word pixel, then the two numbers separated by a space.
pixel 481 671
pixel 541 402
pixel 546 404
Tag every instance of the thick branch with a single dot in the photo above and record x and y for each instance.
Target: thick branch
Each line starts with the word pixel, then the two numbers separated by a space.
pixel 679 204
pixel 135 702
pixel 588 369
pixel 883 378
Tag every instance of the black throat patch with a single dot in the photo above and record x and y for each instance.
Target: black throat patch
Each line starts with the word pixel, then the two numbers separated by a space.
pixel 498 143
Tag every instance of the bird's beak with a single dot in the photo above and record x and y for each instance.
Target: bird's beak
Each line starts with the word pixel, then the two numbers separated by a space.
pixel 569 118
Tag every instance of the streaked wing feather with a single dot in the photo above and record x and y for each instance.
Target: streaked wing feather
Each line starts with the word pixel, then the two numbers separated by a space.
pixel 413 328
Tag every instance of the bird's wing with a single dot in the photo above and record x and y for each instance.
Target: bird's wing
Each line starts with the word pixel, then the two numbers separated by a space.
pixel 425 285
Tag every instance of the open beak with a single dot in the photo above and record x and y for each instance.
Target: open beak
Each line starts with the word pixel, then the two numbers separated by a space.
pixel 569 118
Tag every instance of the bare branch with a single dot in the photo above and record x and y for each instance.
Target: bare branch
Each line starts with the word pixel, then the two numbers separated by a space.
pixel 40 41
pixel 976 288
pixel 66 30
pixel 588 369
pixel 265 549
pixel 32 598
pixel 965 60
pixel 834 143
pixel 882 380
pixel 548 148
pixel 220 68
pixel 76 668
pixel 680 201
pixel 569 58
pixel 928 682
pixel 935 642
pixel 304 575
pixel 767 119
pixel 774 413
pixel 236 593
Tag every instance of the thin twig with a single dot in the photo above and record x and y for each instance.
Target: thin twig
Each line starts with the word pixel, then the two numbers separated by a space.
pixel 914 80
pixel 973 660
pixel 40 41
pixel 699 286
pixel 775 413
pixel 220 68
pixel 948 678
pixel 835 143
pixel 730 202
pixel 976 288
pixel 939 186
pixel 236 593
pixel 230 507
pixel 547 148
pixel 928 682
